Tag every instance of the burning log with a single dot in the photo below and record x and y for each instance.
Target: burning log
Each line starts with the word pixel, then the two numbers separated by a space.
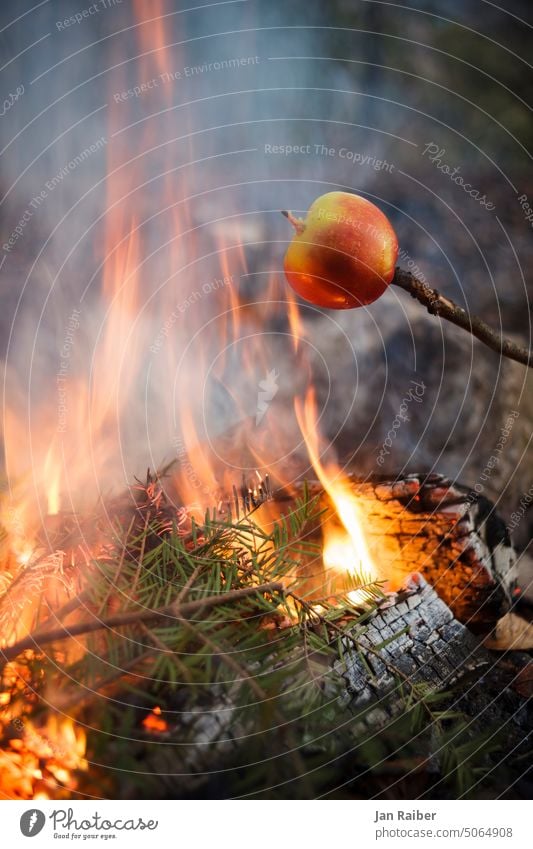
pixel 411 648
pixel 414 635
pixel 452 536
pixel 415 640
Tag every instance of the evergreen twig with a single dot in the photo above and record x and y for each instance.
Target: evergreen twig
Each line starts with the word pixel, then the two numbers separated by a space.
pixel 173 611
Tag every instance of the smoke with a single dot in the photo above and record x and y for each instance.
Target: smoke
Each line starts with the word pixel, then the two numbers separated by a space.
pixel 144 165
pixel 183 128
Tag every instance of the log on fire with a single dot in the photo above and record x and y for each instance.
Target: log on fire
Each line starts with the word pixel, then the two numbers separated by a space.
pixel 421 642
pixel 454 537
pixel 411 640
pixel 413 635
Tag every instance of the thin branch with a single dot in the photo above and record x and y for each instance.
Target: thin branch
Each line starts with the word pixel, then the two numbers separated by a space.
pixel 172 611
pixel 66 609
pixel 437 304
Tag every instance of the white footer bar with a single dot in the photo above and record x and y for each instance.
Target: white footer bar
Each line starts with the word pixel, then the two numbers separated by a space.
pixel 268 824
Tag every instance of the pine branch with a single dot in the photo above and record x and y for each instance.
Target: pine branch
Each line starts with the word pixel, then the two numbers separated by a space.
pixel 172 611
pixel 443 307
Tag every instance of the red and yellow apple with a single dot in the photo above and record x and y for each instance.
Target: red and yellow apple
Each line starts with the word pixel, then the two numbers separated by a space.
pixel 343 253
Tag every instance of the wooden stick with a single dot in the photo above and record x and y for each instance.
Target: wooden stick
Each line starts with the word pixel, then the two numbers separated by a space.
pixel 437 304
pixel 174 611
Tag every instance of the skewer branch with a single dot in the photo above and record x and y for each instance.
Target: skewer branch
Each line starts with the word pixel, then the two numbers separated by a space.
pixel 437 304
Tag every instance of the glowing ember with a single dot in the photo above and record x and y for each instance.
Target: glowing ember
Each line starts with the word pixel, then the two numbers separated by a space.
pixel 154 722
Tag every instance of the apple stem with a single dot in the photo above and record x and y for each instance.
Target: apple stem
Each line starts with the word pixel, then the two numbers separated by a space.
pixel 297 223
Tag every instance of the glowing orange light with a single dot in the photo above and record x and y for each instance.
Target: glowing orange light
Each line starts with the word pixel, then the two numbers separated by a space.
pixel 345 546
pixel 49 754
pixel 154 722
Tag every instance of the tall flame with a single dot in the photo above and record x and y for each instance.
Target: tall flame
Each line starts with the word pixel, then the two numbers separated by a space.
pixel 345 546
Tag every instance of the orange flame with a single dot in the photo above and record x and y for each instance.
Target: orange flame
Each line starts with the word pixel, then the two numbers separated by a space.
pixel 42 762
pixel 345 546
pixel 295 321
pixel 154 721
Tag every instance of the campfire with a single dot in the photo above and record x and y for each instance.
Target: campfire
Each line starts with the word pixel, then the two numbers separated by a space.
pixel 253 590
pixel 263 516
pixel 329 550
